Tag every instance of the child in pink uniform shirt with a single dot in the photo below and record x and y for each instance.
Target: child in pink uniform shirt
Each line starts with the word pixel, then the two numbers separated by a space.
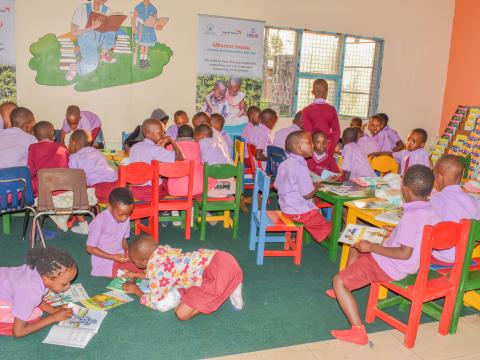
pixel 355 162
pixel 366 142
pixel 82 120
pixel 263 135
pixel 392 138
pixel 385 137
pixel 203 118
pixel 450 201
pixel 218 123
pixel 398 257
pixel 281 135
pixel 22 290
pixel 248 131
pixel 180 118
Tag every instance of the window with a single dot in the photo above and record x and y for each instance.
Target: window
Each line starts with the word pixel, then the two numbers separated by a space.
pixel 295 58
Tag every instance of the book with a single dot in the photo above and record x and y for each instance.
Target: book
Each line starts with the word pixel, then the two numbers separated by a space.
pixel 109 22
pixel 74 294
pixel 155 22
pixel 106 301
pixel 354 233
pixel 374 205
pixel 117 283
pixel 326 177
pixel 390 217
pixel 84 318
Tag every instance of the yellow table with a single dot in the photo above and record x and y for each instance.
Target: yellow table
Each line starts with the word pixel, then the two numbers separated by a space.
pixel 116 156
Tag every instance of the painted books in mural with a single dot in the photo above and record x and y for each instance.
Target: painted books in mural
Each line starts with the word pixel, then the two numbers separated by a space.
pixel 390 217
pixel 353 233
pixel 117 283
pixel 109 22
pixel 106 300
pixel 78 330
pixel 74 294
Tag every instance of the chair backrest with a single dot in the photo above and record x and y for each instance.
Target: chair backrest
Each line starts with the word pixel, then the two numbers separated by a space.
pixel 15 189
pixel 139 173
pixel 441 236
pixel 261 186
pixel 473 237
pixel 51 181
pixel 384 164
pixel 238 149
pixel 252 150
pixel 223 171
pixel 177 169
pixel 275 156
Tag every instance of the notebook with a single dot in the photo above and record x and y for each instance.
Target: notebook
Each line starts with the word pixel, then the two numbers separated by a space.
pixel 354 233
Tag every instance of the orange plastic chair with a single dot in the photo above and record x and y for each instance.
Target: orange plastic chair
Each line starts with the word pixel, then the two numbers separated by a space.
pixel 426 285
pixel 384 165
pixel 249 184
pixel 178 169
pixel 138 174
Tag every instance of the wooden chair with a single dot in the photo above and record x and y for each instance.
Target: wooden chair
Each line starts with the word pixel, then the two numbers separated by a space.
pixel 384 165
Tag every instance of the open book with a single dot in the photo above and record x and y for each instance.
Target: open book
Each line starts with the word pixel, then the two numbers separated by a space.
pixel 390 217
pixel 78 330
pixel 109 23
pixel 106 300
pixel 327 177
pixel 354 233
pixel 155 22
pixel 117 283
pixel 74 294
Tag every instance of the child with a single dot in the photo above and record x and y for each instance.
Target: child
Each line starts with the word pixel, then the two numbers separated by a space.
pixel 392 138
pixel 215 101
pixel 321 116
pixel 22 289
pixel 204 278
pixel 295 187
pixel 204 118
pixel 14 141
pixel 366 142
pixel 248 131
pixel 263 134
pixel 355 163
pixel 108 235
pixel 450 202
pixel 82 120
pixel 235 98
pixel 181 118
pixel 46 154
pixel 218 123
pixel 357 122
pixel 137 134
pixel 321 160
pixel 145 35
pixel 395 259
pixel 5 110
pixel 282 134
pixel 384 139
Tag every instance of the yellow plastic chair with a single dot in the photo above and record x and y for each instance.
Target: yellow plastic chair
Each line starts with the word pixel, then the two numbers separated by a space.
pixel 384 165
pixel 239 151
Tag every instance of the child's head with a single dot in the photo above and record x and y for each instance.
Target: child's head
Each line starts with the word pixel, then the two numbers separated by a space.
pixel 159 114
pixel 319 140
pixel 44 130
pixel 180 117
pixel 153 129
pixel 203 131
pixel 253 113
pixel 320 89
pixel 448 171
pixel 268 117
pixel 356 122
pixel 140 250
pixel 375 124
pixel 218 121
pixel 79 140
pixel 349 135
pixel 219 89
pixel 416 140
pixel 5 111
pixel 234 85
pixel 384 118
pixel 120 203
pixel 201 118
pixel 22 118
pixel 417 183
pixel 56 267
pixel 185 131
pixel 73 116
pixel 297 120
pixel 299 143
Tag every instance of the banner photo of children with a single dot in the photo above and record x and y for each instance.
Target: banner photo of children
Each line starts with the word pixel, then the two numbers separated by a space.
pixel 8 88
pixel 230 58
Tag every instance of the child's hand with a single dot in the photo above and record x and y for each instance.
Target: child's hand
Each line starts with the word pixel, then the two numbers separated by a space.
pixel 96 24
pixel 130 274
pixel 131 288
pixel 363 246
pixel 62 313
pixel 120 258
pixel 388 229
pixel 164 141
pixel 317 185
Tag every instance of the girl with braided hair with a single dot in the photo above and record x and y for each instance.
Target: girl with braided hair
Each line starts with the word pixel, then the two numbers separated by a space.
pixel 22 289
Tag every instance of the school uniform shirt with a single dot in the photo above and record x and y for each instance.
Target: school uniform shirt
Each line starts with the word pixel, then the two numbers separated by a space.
pixel 409 232
pixel 282 134
pixel 217 135
pixel 14 144
pixel 321 116
pixel 146 151
pixel 94 164
pixel 356 162
pixel 23 289
pixel 391 136
pixel 453 204
pixel 293 182
pixel 248 132
pixel 317 163
pixel 408 158
pixel 105 233
pixel 172 131
pixel 212 153
pixel 262 138
pixel 227 139
pixel 368 144
pixel 88 121
pixel 2 126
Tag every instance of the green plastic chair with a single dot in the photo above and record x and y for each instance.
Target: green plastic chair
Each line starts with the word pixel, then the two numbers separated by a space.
pixel 230 203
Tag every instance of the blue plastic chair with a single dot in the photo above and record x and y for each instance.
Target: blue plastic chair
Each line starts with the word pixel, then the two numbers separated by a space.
pixel 16 195
pixel 265 221
pixel 275 156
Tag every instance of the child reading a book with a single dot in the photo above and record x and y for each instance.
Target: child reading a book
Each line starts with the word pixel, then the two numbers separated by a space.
pixel 296 189
pixel 218 123
pixel 204 278
pixel 143 33
pixel 22 289
pixel 395 259
pixel 321 160
pixel 355 162
pixel 108 233
pixel 82 120
pixel 180 118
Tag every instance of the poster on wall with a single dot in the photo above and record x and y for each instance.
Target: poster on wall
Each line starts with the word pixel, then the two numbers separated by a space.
pixel 229 68
pixel 8 88
pixel 102 48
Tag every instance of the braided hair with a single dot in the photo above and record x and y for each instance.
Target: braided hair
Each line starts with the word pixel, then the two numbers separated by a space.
pixel 49 261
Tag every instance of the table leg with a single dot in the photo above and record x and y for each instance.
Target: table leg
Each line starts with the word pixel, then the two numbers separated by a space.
pixel 351 219
pixel 336 228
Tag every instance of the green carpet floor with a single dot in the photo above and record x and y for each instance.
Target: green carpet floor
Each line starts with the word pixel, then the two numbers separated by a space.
pixel 285 305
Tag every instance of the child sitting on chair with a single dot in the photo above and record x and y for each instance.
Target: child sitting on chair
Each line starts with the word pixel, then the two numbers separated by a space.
pixel 180 118
pixel 355 162
pixel 321 160
pixel 386 138
pixel 251 126
pixel 366 142
pixel 296 189
pixel 263 134
pixel 204 118
pixel 82 120
pixel 392 138
pixel 398 257
pixel 22 289
pixel 108 235
pixel 193 283
pixel 281 135
pixel 218 123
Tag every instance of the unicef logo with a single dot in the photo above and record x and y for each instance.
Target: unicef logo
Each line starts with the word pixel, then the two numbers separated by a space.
pixel 210 29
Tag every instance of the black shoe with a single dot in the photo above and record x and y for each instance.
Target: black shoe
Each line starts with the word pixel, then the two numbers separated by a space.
pixel 142 63
pixel 147 63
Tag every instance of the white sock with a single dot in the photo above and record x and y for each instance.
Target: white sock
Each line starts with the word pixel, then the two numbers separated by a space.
pixel 236 298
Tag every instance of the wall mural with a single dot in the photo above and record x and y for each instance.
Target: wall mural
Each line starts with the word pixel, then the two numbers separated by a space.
pixel 100 51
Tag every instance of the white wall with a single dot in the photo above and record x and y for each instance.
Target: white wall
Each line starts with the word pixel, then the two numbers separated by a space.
pixel 416 33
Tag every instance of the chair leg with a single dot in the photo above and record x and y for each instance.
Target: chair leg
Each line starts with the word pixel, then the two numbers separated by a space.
pixel 195 216
pixel 252 241
pixel 298 247
pixel 236 216
pixel 372 303
pixel 203 224
pixel 187 221
pixel 447 313
pixel 137 227
pixel 226 219
pixel 288 239
pixel 457 309
pixel 26 220
pixel 40 233
pixel 155 228
pixel 6 224
pixel 261 246
pixel 413 323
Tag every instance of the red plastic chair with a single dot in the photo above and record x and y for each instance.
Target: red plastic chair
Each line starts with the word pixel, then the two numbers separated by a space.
pixel 426 285
pixel 138 174
pixel 177 170
pixel 248 184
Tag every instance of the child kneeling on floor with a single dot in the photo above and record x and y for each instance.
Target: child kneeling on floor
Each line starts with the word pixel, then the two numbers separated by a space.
pixel 398 257
pixel 192 282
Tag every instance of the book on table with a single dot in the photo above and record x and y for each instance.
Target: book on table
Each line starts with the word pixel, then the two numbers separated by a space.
pixel 390 217
pixel 108 22
pixel 354 233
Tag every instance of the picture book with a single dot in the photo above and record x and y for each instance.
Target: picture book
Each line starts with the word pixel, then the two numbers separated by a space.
pixel 74 294
pixel 117 283
pixel 106 300
pixel 108 22
pixel 374 205
pixel 342 190
pixel 390 217
pixel 84 318
pixel 326 177
pixel 354 233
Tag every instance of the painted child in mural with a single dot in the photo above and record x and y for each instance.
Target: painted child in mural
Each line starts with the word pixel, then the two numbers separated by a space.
pixel 235 98
pixel 215 102
pixel 89 39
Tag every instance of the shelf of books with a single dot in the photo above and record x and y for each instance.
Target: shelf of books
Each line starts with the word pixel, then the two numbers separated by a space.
pixel 462 137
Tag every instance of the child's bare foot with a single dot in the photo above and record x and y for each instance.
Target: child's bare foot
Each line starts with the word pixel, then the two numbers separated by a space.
pixel 237 299
pixel 357 335
pixel 331 293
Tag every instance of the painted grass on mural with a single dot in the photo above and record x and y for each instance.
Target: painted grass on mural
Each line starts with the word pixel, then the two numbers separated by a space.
pixel 46 58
